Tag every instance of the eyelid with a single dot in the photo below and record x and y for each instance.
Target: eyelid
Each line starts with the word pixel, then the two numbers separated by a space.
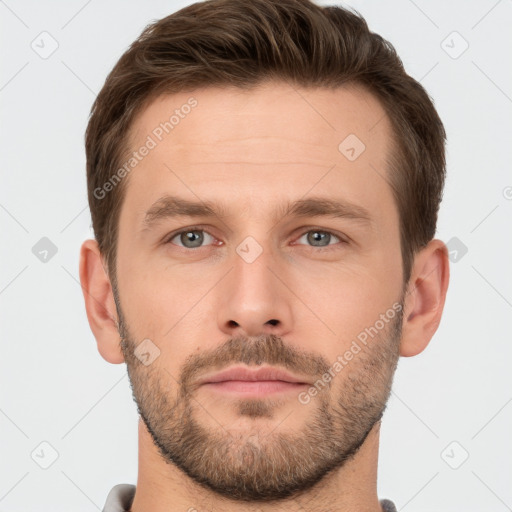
pixel 343 239
pixel 167 239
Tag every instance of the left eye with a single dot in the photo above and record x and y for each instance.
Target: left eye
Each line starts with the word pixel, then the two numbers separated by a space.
pixel 318 238
pixel 191 238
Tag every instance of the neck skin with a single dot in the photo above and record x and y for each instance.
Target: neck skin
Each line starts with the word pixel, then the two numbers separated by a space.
pixel 162 487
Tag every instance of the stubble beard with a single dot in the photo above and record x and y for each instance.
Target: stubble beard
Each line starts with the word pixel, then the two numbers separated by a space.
pixel 257 465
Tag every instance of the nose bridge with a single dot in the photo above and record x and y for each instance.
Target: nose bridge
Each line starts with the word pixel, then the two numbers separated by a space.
pixel 253 283
pixel 251 272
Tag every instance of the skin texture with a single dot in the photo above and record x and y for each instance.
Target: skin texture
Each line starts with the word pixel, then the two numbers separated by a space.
pixel 299 305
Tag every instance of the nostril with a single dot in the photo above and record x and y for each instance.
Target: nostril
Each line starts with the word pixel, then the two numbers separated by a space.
pixel 273 322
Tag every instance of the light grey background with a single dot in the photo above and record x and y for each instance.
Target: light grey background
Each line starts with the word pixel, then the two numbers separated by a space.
pixel 56 388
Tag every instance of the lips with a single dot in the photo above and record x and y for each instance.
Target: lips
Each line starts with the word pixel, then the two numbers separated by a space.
pixel 240 373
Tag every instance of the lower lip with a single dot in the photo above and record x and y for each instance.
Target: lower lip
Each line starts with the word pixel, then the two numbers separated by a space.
pixel 260 387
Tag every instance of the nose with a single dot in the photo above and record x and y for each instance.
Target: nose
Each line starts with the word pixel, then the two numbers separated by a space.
pixel 253 300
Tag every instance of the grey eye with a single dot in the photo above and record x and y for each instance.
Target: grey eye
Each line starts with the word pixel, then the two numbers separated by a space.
pixel 191 238
pixel 319 238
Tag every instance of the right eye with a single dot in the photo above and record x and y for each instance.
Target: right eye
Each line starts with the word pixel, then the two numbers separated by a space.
pixel 191 238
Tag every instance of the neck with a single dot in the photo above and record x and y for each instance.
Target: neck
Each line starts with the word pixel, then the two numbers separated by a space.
pixel 162 487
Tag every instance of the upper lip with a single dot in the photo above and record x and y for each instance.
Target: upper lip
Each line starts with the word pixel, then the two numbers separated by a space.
pixel 247 374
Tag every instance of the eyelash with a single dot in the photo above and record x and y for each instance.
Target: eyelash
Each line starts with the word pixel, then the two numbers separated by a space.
pixel 341 239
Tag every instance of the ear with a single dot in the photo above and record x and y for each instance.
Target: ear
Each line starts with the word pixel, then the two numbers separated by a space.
pixel 99 302
pixel 425 297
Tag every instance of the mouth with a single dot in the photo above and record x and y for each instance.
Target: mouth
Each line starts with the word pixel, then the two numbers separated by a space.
pixel 253 382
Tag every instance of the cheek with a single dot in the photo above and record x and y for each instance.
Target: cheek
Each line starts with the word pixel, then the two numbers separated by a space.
pixel 337 306
pixel 166 305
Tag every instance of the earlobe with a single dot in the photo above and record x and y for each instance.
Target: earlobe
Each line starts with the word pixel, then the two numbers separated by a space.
pixel 99 302
pixel 425 297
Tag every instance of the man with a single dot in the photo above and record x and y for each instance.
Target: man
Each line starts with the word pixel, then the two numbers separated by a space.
pixel 264 180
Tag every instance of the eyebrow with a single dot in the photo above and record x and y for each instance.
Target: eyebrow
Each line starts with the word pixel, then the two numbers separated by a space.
pixel 172 206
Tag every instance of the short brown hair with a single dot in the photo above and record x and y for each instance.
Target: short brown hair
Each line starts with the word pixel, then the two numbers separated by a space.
pixel 244 43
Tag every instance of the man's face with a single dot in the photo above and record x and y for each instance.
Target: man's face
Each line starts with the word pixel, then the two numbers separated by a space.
pixel 260 284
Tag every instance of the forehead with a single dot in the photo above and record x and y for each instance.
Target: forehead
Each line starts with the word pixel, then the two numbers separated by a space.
pixel 274 140
pixel 227 115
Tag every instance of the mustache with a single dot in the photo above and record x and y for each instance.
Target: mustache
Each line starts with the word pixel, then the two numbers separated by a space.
pixel 264 349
